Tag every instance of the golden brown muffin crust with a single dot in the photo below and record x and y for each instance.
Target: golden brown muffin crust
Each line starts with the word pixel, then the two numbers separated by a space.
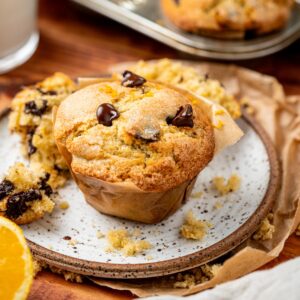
pixel 140 146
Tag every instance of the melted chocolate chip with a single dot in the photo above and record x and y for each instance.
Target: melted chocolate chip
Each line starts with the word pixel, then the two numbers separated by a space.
pixel 32 108
pixel 6 187
pixel 43 185
pixel 132 80
pixel 106 113
pixel 183 117
pixel 177 2
pixel 31 148
pixel 17 204
pixel 50 93
pixel 15 207
pixel 149 135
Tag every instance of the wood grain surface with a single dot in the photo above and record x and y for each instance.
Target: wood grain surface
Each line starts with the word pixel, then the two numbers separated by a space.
pixel 79 42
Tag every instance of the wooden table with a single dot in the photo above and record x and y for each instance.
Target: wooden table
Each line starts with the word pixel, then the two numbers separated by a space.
pixel 78 42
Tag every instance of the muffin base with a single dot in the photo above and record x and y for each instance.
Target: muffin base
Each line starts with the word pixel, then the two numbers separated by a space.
pixel 127 201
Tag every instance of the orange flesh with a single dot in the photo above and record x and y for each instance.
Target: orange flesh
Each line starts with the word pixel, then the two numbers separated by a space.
pixel 12 264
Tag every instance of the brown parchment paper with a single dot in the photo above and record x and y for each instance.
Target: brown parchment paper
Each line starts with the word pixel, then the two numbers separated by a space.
pixel 280 117
pixel 125 199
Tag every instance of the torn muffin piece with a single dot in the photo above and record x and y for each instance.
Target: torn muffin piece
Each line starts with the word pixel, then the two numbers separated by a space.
pixel 31 117
pixel 24 197
pixel 188 78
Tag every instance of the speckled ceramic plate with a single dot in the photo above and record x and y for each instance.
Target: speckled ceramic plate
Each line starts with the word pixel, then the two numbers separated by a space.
pixel 252 158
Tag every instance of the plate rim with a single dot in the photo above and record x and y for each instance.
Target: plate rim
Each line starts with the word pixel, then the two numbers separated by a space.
pixel 174 265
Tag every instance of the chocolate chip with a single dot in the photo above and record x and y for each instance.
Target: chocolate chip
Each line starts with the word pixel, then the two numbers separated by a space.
pixel 50 93
pixel 183 117
pixel 106 113
pixel 15 207
pixel 6 187
pixel 31 148
pixel 67 238
pixel 149 135
pixel 177 2
pixel 17 204
pixel 32 108
pixel 43 185
pixel 132 80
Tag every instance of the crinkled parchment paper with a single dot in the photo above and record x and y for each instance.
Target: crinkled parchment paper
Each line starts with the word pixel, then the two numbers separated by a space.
pixel 280 117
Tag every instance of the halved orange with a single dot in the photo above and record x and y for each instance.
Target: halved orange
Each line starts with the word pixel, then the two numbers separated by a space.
pixel 16 269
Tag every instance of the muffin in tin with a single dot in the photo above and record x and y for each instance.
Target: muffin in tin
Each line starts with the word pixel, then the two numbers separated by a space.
pixel 134 146
pixel 228 18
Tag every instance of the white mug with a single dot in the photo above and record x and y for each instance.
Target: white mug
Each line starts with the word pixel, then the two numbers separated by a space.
pixel 18 32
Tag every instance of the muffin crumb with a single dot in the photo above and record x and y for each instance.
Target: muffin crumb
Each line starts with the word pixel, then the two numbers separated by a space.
pixel 64 205
pixel 219 124
pixel 100 234
pixel 192 228
pixel 223 187
pixel 68 276
pixel 37 267
pixel 298 230
pixel 196 195
pixel 72 242
pixel 247 106
pixel 195 276
pixel 218 205
pixel 121 240
pixel 265 230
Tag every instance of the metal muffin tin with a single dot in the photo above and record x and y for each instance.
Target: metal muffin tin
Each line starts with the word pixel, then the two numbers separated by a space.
pixel 146 17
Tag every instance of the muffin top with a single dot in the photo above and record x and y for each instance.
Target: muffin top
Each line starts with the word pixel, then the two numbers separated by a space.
pixel 147 133
pixel 256 16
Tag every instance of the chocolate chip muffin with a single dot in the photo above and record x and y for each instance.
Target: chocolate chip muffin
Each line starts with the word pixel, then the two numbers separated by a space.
pixel 24 197
pixel 31 117
pixel 228 18
pixel 134 146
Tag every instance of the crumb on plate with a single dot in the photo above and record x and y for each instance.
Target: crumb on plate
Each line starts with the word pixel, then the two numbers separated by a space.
pixel 193 228
pixel 218 205
pixel 100 234
pixel 223 187
pixel 196 195
pixel 64 205
pixel 121 240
